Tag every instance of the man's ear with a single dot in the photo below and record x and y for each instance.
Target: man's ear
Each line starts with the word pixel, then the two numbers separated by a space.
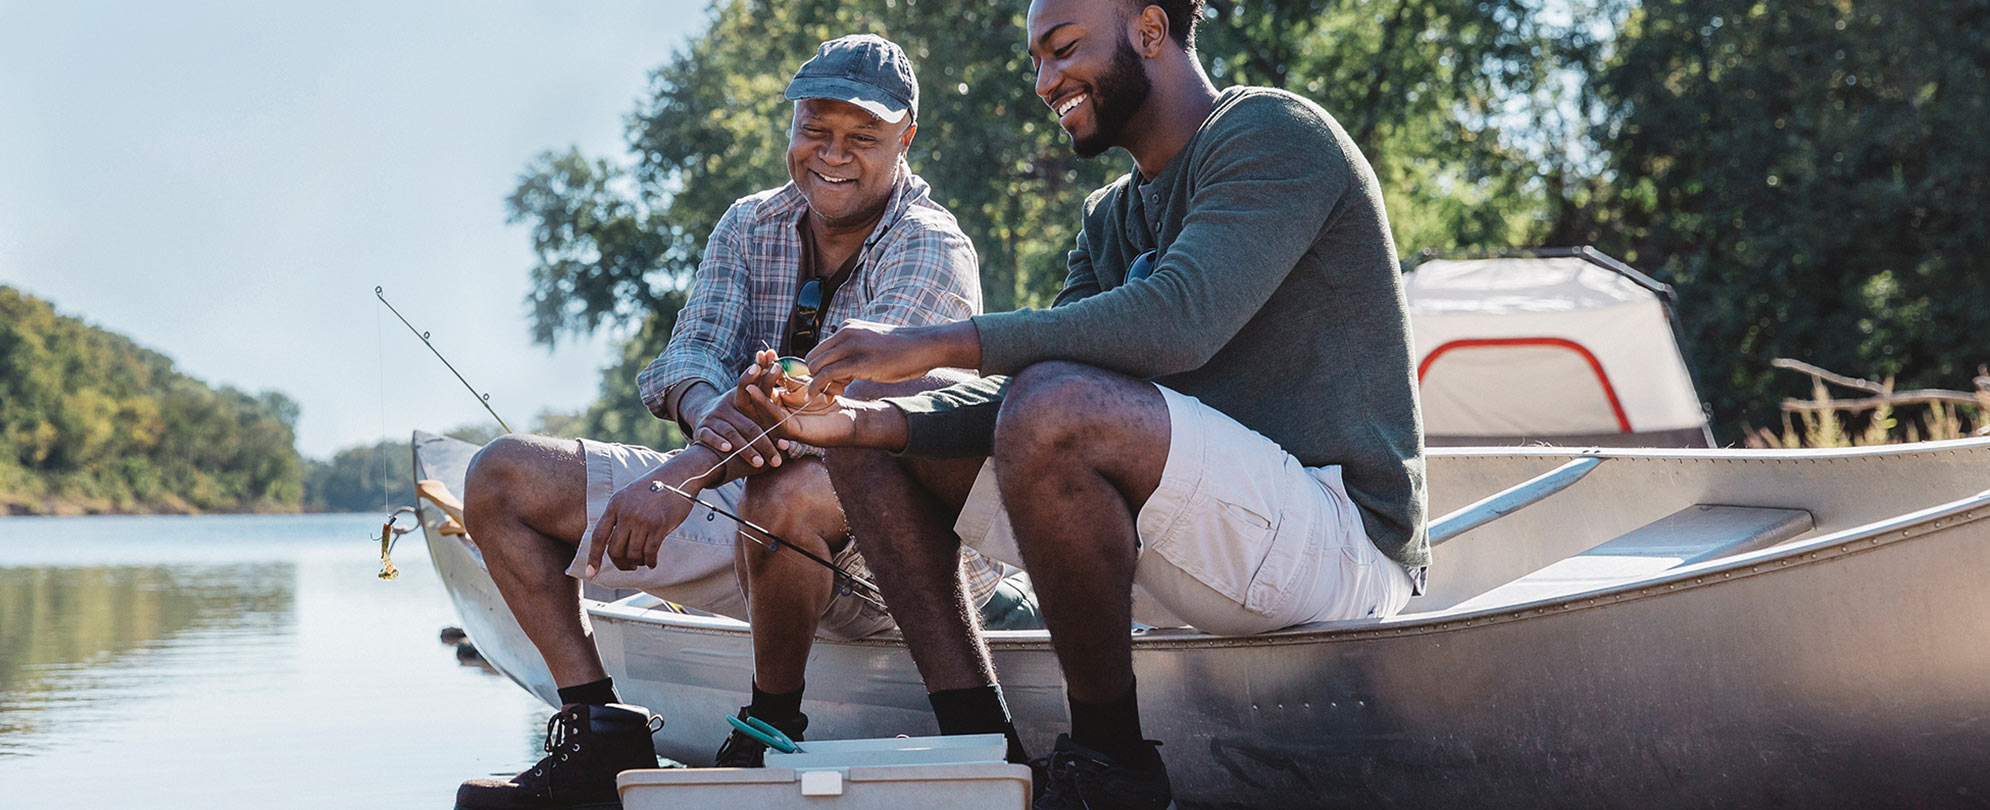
pixel 1148 32
pixel 905 140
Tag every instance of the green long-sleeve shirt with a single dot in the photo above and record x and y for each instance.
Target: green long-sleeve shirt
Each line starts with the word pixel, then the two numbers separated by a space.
pixel 1276 300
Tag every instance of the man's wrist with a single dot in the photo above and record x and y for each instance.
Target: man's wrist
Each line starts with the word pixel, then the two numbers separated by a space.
pixel 696 468
pixel 878 425
pixel 696 403
pixel 959 343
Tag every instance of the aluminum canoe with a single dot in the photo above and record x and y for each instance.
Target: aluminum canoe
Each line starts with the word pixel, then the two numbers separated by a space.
pixel 1604 628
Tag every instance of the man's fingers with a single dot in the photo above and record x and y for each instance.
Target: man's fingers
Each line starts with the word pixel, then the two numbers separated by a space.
pixel 708 437
pixel 598 542
pixel 619 547
pixel 651 546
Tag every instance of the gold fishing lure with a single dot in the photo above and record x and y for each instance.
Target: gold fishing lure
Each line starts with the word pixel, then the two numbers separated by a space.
pixel 389 532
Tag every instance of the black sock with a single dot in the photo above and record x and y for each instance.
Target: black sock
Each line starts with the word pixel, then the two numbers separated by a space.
pixel 594 693
pixel 977 710
pixel 1112 728
pixel 775 708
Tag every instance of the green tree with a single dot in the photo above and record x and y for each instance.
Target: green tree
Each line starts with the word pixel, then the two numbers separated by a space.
pixel 1416 82
pixel 90 421
pixel 1809 176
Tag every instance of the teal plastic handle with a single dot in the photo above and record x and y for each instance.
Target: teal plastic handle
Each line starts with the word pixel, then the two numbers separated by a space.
pixel 759 729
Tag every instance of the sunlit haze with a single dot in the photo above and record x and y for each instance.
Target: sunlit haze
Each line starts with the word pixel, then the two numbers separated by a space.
pixel 227 182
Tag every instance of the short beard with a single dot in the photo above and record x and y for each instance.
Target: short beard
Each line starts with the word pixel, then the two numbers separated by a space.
pixel 1116 97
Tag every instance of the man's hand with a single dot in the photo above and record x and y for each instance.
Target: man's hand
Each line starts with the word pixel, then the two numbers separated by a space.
pixel 823 419
pixel 862 350
pixel 721 426
pixel 632 529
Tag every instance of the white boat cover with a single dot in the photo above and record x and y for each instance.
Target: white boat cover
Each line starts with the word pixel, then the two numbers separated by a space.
pixel 1561 350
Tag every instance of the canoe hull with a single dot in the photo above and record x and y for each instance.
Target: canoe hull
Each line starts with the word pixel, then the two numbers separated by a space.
pixel 1840 670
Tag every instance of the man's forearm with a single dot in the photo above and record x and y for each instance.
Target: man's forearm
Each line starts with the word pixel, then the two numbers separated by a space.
pixel 694 401
pixel 954 345
pixel 696 468
pixel 876 425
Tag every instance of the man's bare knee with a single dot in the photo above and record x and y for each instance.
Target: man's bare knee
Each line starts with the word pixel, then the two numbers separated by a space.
pixel 1051 405
pixel 796 498
pixel 531 479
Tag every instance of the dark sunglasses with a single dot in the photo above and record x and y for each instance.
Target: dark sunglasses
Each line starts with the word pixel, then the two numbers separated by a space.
pixel 808 318
pixel 1142 267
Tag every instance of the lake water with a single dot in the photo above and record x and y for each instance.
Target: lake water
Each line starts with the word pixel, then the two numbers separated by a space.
pixel 236 662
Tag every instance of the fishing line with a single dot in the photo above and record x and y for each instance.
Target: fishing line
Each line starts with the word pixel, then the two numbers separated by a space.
pixel 749 442
pixel 848 578
pixel 482 399
pixel 380 359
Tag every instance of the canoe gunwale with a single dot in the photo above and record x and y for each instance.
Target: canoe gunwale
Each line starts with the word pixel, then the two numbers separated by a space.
pixel 1812 551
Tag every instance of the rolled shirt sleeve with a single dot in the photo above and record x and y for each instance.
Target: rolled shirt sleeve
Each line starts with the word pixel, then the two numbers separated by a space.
pixel 711 325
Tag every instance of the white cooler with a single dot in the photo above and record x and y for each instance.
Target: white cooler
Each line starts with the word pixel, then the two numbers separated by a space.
pixel 944 773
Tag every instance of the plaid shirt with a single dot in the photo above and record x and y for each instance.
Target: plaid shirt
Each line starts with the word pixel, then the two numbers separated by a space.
pixel 916 268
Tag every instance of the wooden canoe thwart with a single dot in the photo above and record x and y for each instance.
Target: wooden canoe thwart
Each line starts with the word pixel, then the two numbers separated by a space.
pixel 1604 628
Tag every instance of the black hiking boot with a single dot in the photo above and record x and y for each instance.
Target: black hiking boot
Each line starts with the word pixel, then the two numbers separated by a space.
pixel 1079 778
pixel 741 751
pixel 586 746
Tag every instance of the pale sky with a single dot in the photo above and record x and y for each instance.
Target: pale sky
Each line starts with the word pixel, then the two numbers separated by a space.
pixel 225 182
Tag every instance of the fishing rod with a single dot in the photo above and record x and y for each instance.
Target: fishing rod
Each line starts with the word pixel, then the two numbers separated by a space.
pixel 850 581
pixel 482 399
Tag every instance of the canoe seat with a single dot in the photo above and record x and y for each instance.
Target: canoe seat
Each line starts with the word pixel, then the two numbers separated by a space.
pixel 1695 534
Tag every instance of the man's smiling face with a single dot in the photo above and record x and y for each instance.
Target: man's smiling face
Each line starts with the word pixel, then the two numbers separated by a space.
pixel 1086 69
pixel 844 159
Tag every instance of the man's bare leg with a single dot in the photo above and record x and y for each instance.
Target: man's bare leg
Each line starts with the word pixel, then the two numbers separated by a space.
pixel 525 504
pixel 901 512
pixel 785 593
pixel 1078 451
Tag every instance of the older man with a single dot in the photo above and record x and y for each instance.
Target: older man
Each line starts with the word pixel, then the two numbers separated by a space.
pixel 1218 412
pixel 854 234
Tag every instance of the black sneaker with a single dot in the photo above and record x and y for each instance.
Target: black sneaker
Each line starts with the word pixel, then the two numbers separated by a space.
pixel 586 746
pixel 741 751
pixel 1079 778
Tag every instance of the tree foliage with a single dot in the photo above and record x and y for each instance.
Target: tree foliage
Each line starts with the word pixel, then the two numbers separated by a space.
pixel 618 242
pixel 91 421
pixel 1810 177
pixel 1805 174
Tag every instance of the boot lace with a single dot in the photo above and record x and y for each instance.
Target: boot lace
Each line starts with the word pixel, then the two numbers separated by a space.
pixel 562 742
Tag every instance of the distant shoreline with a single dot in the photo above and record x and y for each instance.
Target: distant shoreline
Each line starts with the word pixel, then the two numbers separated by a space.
pixel 76 509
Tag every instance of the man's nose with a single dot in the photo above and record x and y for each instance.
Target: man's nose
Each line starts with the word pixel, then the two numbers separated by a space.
pixel 1046 79
pixel 835 151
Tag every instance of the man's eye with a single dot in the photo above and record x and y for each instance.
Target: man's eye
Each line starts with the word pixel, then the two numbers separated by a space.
pixel 864 139
pixel 1064 51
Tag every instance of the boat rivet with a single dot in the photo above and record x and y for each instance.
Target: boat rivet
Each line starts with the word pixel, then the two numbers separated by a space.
pixel 1307 704
pixel 1281 707
pixel 1362 703
pixel 1334 705
pixel 1254 707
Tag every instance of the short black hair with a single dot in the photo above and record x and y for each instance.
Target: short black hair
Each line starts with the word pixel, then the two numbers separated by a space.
pixel 1183 16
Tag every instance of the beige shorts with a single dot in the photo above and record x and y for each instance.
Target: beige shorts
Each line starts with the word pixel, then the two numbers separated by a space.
pixel 695 566
pixel 1239 538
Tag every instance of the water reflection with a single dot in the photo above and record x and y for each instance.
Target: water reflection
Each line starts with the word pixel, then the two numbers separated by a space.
pixel 237 662
pixel 73 638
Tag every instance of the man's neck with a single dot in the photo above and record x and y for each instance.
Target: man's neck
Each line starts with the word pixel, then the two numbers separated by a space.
pixel 1181 99
pixel 834 241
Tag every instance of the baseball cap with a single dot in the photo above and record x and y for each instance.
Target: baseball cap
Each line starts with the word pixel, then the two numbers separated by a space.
pixel 863 69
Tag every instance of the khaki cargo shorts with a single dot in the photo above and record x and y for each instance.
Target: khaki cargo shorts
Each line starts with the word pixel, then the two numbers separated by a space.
pixel 1239 538
pixel 695 566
